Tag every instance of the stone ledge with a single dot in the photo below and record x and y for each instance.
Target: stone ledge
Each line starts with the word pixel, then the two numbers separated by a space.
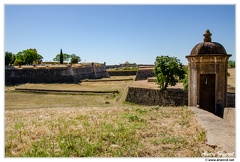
pixel 219 132
pixel 229 115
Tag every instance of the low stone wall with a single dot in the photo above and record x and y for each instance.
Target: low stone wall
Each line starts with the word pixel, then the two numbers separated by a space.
pixel 229 115
pixel 150 97
pixel 230 100
pixel 121 72
pixel 143 74
pixel 54 74
pixel 169 97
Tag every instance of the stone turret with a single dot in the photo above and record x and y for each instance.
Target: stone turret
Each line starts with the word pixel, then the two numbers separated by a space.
pixel 207 66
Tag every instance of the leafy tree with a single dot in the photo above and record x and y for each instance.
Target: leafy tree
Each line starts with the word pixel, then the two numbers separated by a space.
pixel 39 59
pixel 185 79
pixel 9 58
pixel 231 63
pixel 75 59
pixel 168 71
pixel 185 82
pixel 19 56
pixel 61 57
pixel 18 62
pixel 28 56
pixel 13 59
pixel 66 57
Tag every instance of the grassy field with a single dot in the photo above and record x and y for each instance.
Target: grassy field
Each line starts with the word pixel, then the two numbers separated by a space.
pixel 57 125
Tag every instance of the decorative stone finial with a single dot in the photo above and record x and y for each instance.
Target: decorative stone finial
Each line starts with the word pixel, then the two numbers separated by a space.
pixel 207 36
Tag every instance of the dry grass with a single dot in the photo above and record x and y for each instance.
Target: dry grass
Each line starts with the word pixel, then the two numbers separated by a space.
pixel 110 86
pixel 84 86
pixel 96 125
pixel 18 100
pixel 126 131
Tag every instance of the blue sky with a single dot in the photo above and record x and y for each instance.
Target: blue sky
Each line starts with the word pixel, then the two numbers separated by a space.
pixel 117 33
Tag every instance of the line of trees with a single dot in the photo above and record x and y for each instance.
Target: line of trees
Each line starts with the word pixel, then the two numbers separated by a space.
pixel 66 57
pixel 25 57
pixel 31 56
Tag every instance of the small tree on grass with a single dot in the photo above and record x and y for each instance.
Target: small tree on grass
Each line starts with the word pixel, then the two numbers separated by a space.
pixel 168 71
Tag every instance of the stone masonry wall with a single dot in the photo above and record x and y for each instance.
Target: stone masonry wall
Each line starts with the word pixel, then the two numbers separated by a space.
pixel 122 72
pixel 230 100
pixel 169 97
pixel 150 97
pixel 54 74
pixel 143 74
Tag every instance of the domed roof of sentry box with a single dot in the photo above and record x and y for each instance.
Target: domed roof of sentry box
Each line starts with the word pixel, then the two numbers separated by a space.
pixel 208 47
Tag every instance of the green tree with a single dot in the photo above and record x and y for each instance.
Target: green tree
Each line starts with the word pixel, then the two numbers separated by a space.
pixel 19 59
pixel 168 71
pixel 66 57
pixel 231 63
pixel 61 57
pixel 13 59
pixel 28 56
pixel 185 82
pixel 185 79
pixel 18 62
pixel 9 58
pixel 39 59
pixel 75 59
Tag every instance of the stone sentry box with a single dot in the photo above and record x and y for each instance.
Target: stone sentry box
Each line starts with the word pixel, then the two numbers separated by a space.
pixel 207 70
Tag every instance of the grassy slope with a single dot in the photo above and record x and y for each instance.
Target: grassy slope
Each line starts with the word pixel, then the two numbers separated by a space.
pixel 126 131
pixel 97 125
